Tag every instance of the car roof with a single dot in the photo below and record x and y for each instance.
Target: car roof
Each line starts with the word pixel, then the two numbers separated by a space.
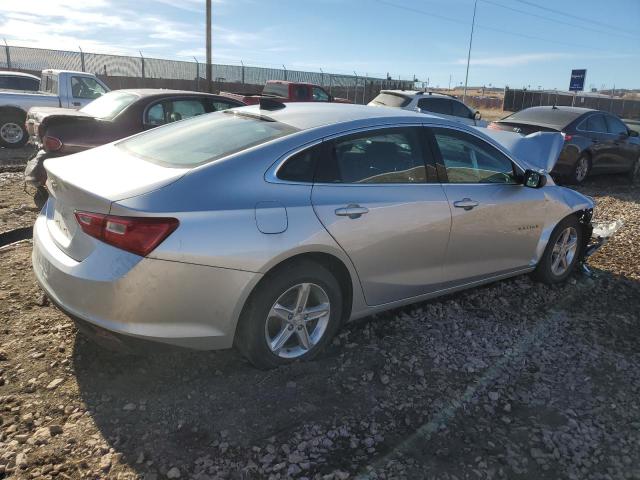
pixel 413 93
pixel 17 74
pixel 149 92
pixel 308 115
pixel 552 116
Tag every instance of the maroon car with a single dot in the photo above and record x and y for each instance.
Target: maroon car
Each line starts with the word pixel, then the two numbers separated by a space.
pixel 58 131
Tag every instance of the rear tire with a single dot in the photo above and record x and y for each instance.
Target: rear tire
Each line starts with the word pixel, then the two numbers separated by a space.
pixel 580 171
pixel 270 336
pixel 562 254
pixel 12 130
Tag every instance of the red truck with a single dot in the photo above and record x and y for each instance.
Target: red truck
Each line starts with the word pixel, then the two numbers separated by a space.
pixel 287 92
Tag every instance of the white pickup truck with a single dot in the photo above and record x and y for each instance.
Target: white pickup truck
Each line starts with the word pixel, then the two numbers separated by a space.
pixel 58 88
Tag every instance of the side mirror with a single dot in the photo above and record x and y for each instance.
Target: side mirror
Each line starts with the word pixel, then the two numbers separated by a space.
pixel 477 115
pixel 533 179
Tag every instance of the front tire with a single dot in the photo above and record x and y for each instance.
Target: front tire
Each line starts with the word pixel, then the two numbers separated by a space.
pixel 12 130
pixel 292 315
pixel 562 253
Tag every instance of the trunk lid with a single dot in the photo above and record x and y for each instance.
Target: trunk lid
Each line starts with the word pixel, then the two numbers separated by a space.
pixel 91 181
pixel 39 118
pixel 539 150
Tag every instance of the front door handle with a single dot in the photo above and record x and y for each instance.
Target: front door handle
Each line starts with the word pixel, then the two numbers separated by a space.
pixel 352 211
pixel 466 203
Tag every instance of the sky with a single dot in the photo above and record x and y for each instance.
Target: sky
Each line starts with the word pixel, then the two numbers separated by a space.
pixel 516 43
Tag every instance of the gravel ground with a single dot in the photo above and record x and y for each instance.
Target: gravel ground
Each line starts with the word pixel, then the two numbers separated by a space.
pixel 16 205
pixel 514 380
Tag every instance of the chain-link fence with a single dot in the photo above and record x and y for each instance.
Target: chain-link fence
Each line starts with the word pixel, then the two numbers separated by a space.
pixel 137 72
pixel 516 99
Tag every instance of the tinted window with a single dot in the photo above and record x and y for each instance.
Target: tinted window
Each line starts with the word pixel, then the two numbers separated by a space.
pixel 277 89
pixel 383 156
pixel 468 159
pixel 460 110
pixel 616 126
pixel 203 139
pixel 436 105
pixel 300 167
pixel 391 100
pixel 319 95
pixel 86 87
pixel 558 117
pixel 218 105
pixel 595 123
pixel 156 115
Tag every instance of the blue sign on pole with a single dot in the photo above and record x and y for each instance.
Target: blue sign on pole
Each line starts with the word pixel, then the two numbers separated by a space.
pixel 577 80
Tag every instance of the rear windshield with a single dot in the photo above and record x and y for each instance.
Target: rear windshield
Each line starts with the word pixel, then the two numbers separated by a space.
pixel 109 105
pixel 203 139
pixel 557 118
pixel 391 100
pixel 277 89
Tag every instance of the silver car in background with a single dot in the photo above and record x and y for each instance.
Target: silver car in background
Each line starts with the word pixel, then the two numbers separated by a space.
pixel 266 227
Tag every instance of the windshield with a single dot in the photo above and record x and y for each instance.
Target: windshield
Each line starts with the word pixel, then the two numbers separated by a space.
pixel 391 100
pixel 109 105
pixel 204 139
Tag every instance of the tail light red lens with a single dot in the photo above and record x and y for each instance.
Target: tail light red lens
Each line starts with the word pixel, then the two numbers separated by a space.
pixel 51 144
pixel 139 235
pixel 567 138
pixel 493 126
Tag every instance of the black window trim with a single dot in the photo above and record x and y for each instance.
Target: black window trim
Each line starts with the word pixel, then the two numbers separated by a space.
pixel 607 116
pixel 586 119
pixel 441 169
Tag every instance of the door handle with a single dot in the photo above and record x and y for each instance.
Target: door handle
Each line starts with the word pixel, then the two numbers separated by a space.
pixel 466 203
pixel 76 104
pixel 352 211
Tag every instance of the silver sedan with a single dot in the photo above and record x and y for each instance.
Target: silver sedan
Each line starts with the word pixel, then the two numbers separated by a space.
pixel 266 227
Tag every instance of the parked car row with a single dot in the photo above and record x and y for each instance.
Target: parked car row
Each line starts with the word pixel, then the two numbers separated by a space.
pixel 266 227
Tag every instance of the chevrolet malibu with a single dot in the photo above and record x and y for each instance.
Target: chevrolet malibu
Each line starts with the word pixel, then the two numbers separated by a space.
pixel 267 227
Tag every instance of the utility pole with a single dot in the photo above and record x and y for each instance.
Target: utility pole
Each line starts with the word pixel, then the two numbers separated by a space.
pixel 473 24
pixel 209 86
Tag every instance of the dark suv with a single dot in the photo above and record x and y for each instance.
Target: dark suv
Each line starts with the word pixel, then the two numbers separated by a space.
pixel 595 141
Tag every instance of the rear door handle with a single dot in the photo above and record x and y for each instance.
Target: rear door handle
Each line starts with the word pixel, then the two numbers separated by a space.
pixel 466 203
pixel 352 211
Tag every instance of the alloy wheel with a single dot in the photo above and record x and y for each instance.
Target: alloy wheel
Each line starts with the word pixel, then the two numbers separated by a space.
pixel 564 251
pixel 11 132
pixel 297 320
pixel 582 168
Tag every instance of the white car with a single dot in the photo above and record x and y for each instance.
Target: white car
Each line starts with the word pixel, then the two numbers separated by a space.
pixel 440 104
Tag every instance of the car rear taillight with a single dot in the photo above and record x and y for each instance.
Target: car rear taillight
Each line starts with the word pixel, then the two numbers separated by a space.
pixel 493 126
pixel 139 235
pixel 567 138
pixel 51 144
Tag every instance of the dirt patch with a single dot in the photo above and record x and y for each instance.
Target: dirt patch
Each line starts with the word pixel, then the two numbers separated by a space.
pixel 512 380
pixel 16 204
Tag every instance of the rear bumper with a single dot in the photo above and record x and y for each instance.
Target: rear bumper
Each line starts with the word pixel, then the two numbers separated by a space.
pixel 180 304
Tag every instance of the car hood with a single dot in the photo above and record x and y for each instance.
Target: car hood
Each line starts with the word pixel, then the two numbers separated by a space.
pixel 539 151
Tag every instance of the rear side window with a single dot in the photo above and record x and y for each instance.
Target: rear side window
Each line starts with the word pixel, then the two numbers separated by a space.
pixel 616 126
pixel 595 123
pixel 392 100
pixel 382 156
pixel 300 167
pixel 203 139
pixel 468 159
pixel 436 105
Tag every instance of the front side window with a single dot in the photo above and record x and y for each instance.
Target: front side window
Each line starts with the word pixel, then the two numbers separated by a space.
pixel 203 139
pixel 319 95
pixel 468 159
pixel 86 87
pixel 435 105
pixel 616 127
pixel 461 110
pixel 596 123
pixel 382 156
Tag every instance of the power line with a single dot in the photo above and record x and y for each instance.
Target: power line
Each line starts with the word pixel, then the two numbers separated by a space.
pixel 486 27
pixel 570 15
pixel 562 22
